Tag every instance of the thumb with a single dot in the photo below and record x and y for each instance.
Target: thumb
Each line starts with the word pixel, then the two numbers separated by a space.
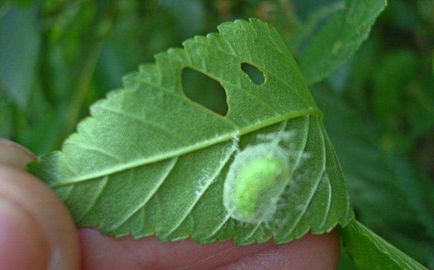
pixel 36 230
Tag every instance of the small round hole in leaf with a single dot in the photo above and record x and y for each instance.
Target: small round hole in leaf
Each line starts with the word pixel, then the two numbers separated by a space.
pixel 255 75
pixel 203 90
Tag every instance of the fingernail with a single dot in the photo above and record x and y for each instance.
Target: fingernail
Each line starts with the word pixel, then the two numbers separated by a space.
pixel 22 242
pixel 13 154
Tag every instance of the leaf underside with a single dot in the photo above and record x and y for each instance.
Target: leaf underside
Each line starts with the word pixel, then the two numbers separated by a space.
pixel 149 161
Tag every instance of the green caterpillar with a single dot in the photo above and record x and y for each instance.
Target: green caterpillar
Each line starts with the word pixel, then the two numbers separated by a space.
pixel 255 181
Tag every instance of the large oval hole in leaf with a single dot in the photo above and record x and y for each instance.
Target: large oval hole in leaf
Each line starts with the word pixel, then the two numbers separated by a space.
pixel 206 91
pixel 255 75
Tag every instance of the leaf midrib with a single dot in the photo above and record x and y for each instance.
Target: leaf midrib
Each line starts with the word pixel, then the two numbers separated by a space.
pixel 183 150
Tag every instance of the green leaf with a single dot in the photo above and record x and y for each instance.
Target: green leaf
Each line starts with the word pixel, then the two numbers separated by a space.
pixel 151 161
pixel 387 195
pixel 6 117
pixel 369 251
pixel 19 43
pixel 190 15
pixel 338 38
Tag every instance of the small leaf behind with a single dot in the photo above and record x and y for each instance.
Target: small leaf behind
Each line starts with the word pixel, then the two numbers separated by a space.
pixel 338 39
pixel 369 251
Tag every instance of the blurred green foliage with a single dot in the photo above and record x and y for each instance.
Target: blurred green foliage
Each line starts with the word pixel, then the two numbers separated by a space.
pixel 59 56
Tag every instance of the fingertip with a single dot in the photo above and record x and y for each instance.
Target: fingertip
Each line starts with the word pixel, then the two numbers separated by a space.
pixel 22 245
pixel 37 206
pixel 14 155
pixel 316 252
pixel 37 200
pixel 31 213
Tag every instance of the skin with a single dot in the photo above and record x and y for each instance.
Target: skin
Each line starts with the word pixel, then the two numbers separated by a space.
pixel 37 232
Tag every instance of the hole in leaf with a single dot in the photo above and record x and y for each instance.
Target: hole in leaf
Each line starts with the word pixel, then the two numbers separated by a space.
pixel 255 75
pixel 206 91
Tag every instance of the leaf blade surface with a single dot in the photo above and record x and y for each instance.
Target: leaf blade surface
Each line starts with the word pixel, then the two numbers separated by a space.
pixel 151 161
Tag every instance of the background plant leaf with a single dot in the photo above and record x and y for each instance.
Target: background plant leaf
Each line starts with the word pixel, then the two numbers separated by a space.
pixel 19 43
pixel 369 251
pixel 385 192
pixel 151 161
pixel 342 27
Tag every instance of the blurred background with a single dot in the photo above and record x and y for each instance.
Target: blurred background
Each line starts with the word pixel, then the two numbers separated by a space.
pixel 58 56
